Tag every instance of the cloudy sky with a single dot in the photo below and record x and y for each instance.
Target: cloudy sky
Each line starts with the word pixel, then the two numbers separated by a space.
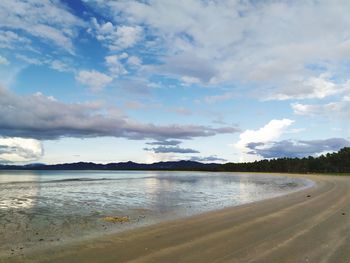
pixel 211 81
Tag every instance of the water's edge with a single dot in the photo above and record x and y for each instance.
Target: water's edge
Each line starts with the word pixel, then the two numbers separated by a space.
pixel 140 217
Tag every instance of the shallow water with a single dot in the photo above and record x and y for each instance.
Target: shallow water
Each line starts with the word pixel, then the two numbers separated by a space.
pixel 38 207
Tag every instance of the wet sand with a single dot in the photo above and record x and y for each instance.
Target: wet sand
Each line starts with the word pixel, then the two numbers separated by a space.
pixel 312 225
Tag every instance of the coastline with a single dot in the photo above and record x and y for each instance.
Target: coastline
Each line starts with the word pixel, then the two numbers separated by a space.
pixel 289 228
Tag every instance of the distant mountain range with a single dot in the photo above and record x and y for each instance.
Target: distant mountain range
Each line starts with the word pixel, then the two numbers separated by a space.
pixel 338 162
pixel 178 165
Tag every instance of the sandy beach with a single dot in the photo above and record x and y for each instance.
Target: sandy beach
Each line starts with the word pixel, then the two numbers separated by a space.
pixel 311 225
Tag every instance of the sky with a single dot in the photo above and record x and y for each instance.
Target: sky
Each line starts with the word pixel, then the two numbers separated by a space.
pixel 162 80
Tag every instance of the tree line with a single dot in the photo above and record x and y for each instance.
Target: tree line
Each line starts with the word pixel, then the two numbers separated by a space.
pixel 338 162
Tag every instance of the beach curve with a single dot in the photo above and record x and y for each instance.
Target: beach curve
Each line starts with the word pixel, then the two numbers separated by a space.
pixel 311 225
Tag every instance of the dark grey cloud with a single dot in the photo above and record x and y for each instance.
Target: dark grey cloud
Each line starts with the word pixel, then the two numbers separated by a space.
pixel 166 149
pixel 19 151
pixel 289 148
pixel 165 143
pixel 41 117
pixel 212 158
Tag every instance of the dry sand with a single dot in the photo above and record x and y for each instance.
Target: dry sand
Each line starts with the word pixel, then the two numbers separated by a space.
pixel 312 225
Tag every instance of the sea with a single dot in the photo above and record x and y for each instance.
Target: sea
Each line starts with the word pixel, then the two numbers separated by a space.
pixel 43 208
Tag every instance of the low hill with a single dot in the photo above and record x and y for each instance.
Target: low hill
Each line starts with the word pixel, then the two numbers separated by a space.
pixel 338 162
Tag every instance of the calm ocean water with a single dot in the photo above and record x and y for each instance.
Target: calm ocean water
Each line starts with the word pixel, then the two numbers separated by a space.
pixel 52 206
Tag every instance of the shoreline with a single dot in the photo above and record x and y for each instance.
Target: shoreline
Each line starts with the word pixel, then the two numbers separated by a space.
pixel 250 232
pixel 34 239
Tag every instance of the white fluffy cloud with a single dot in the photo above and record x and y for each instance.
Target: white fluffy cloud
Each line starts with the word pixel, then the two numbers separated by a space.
pixel 313 88
pixel 31 60
pixel 93 79
pixel 9 39
pixel 270 132
pixel 208 42
pixel 60 66
pixel 3 61
pixel 44 19
pixel 19 150
pixel 134 61
pixel 116 37
pixel 186 80
pixel 333 110
pixel 55 64
pixel 115 64
pixel 249 42
pixel 127 36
